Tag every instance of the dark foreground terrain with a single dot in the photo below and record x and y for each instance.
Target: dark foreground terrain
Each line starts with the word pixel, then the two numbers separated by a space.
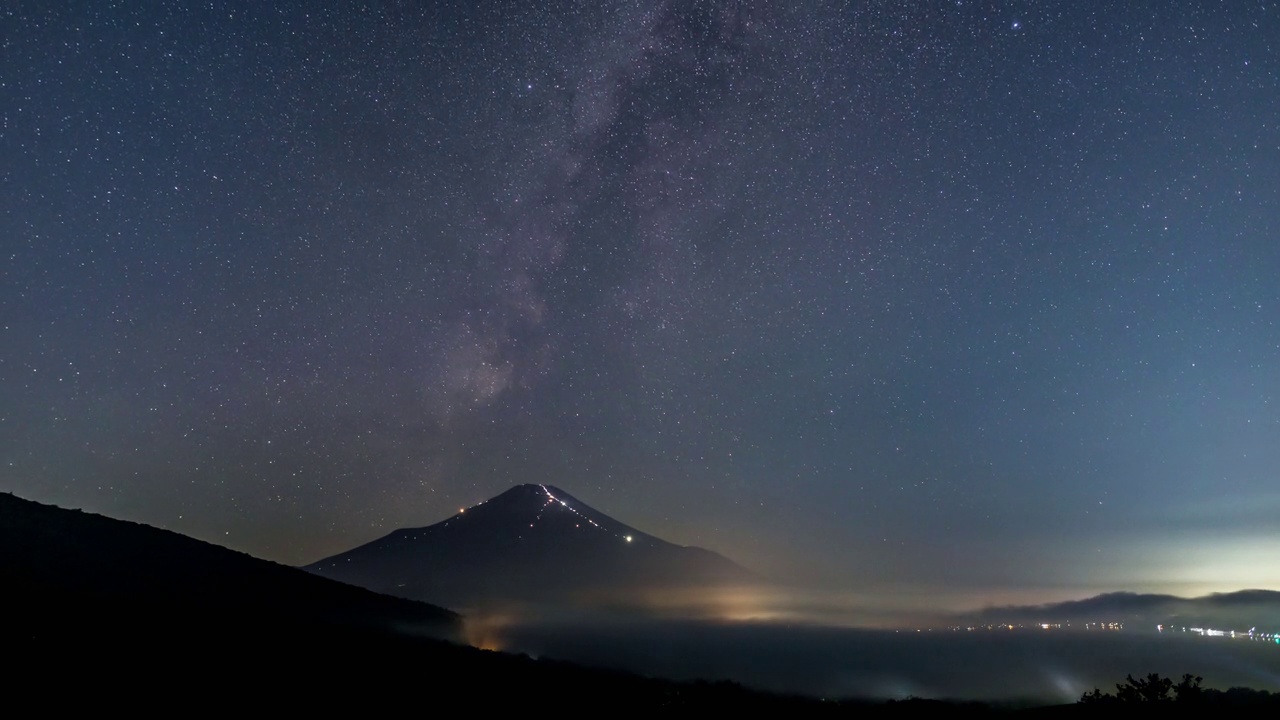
pixel 100 613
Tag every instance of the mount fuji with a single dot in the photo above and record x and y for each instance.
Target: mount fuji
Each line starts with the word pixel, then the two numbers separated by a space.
pixel 531 544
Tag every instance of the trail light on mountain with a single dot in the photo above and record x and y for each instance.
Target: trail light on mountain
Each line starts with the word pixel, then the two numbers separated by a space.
pixel 628 538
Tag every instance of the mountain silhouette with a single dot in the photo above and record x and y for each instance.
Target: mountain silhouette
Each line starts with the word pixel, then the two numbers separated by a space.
pixel 75 578
pixel 531 544
pixel 1240 610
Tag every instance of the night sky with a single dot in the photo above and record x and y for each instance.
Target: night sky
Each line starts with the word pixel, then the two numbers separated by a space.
pixel 951 303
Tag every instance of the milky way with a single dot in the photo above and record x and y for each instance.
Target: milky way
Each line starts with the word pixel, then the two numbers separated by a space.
pixel 966 301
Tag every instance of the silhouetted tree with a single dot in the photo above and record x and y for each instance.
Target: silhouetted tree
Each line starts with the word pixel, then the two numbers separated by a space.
pixel 1152 688
pixel 1097 697
pixel 1188 689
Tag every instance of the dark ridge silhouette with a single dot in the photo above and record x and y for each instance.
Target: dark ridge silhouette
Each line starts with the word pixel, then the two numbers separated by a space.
pixel 532 543
pixel 70 569
pixel 1236 610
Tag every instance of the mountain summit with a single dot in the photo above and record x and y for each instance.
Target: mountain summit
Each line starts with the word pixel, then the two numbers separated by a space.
pixel 531 544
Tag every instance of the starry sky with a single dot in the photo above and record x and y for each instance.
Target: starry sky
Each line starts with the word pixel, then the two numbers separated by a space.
pixel 953 302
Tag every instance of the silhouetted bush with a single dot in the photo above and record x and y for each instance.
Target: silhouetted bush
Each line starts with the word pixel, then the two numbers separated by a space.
pixel 1187 691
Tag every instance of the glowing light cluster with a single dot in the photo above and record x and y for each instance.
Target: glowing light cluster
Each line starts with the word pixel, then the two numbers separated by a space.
pixel 553 499
pixel 1252 634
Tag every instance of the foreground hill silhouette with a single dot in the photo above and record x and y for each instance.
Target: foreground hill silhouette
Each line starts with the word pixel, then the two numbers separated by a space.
pixel 68 569
pixel 532 544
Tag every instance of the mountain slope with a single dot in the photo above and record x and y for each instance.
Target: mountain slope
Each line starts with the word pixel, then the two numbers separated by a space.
pixel 77 577
pixel 532 543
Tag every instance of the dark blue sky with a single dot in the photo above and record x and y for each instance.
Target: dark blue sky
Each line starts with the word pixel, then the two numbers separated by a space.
pixel 943 303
